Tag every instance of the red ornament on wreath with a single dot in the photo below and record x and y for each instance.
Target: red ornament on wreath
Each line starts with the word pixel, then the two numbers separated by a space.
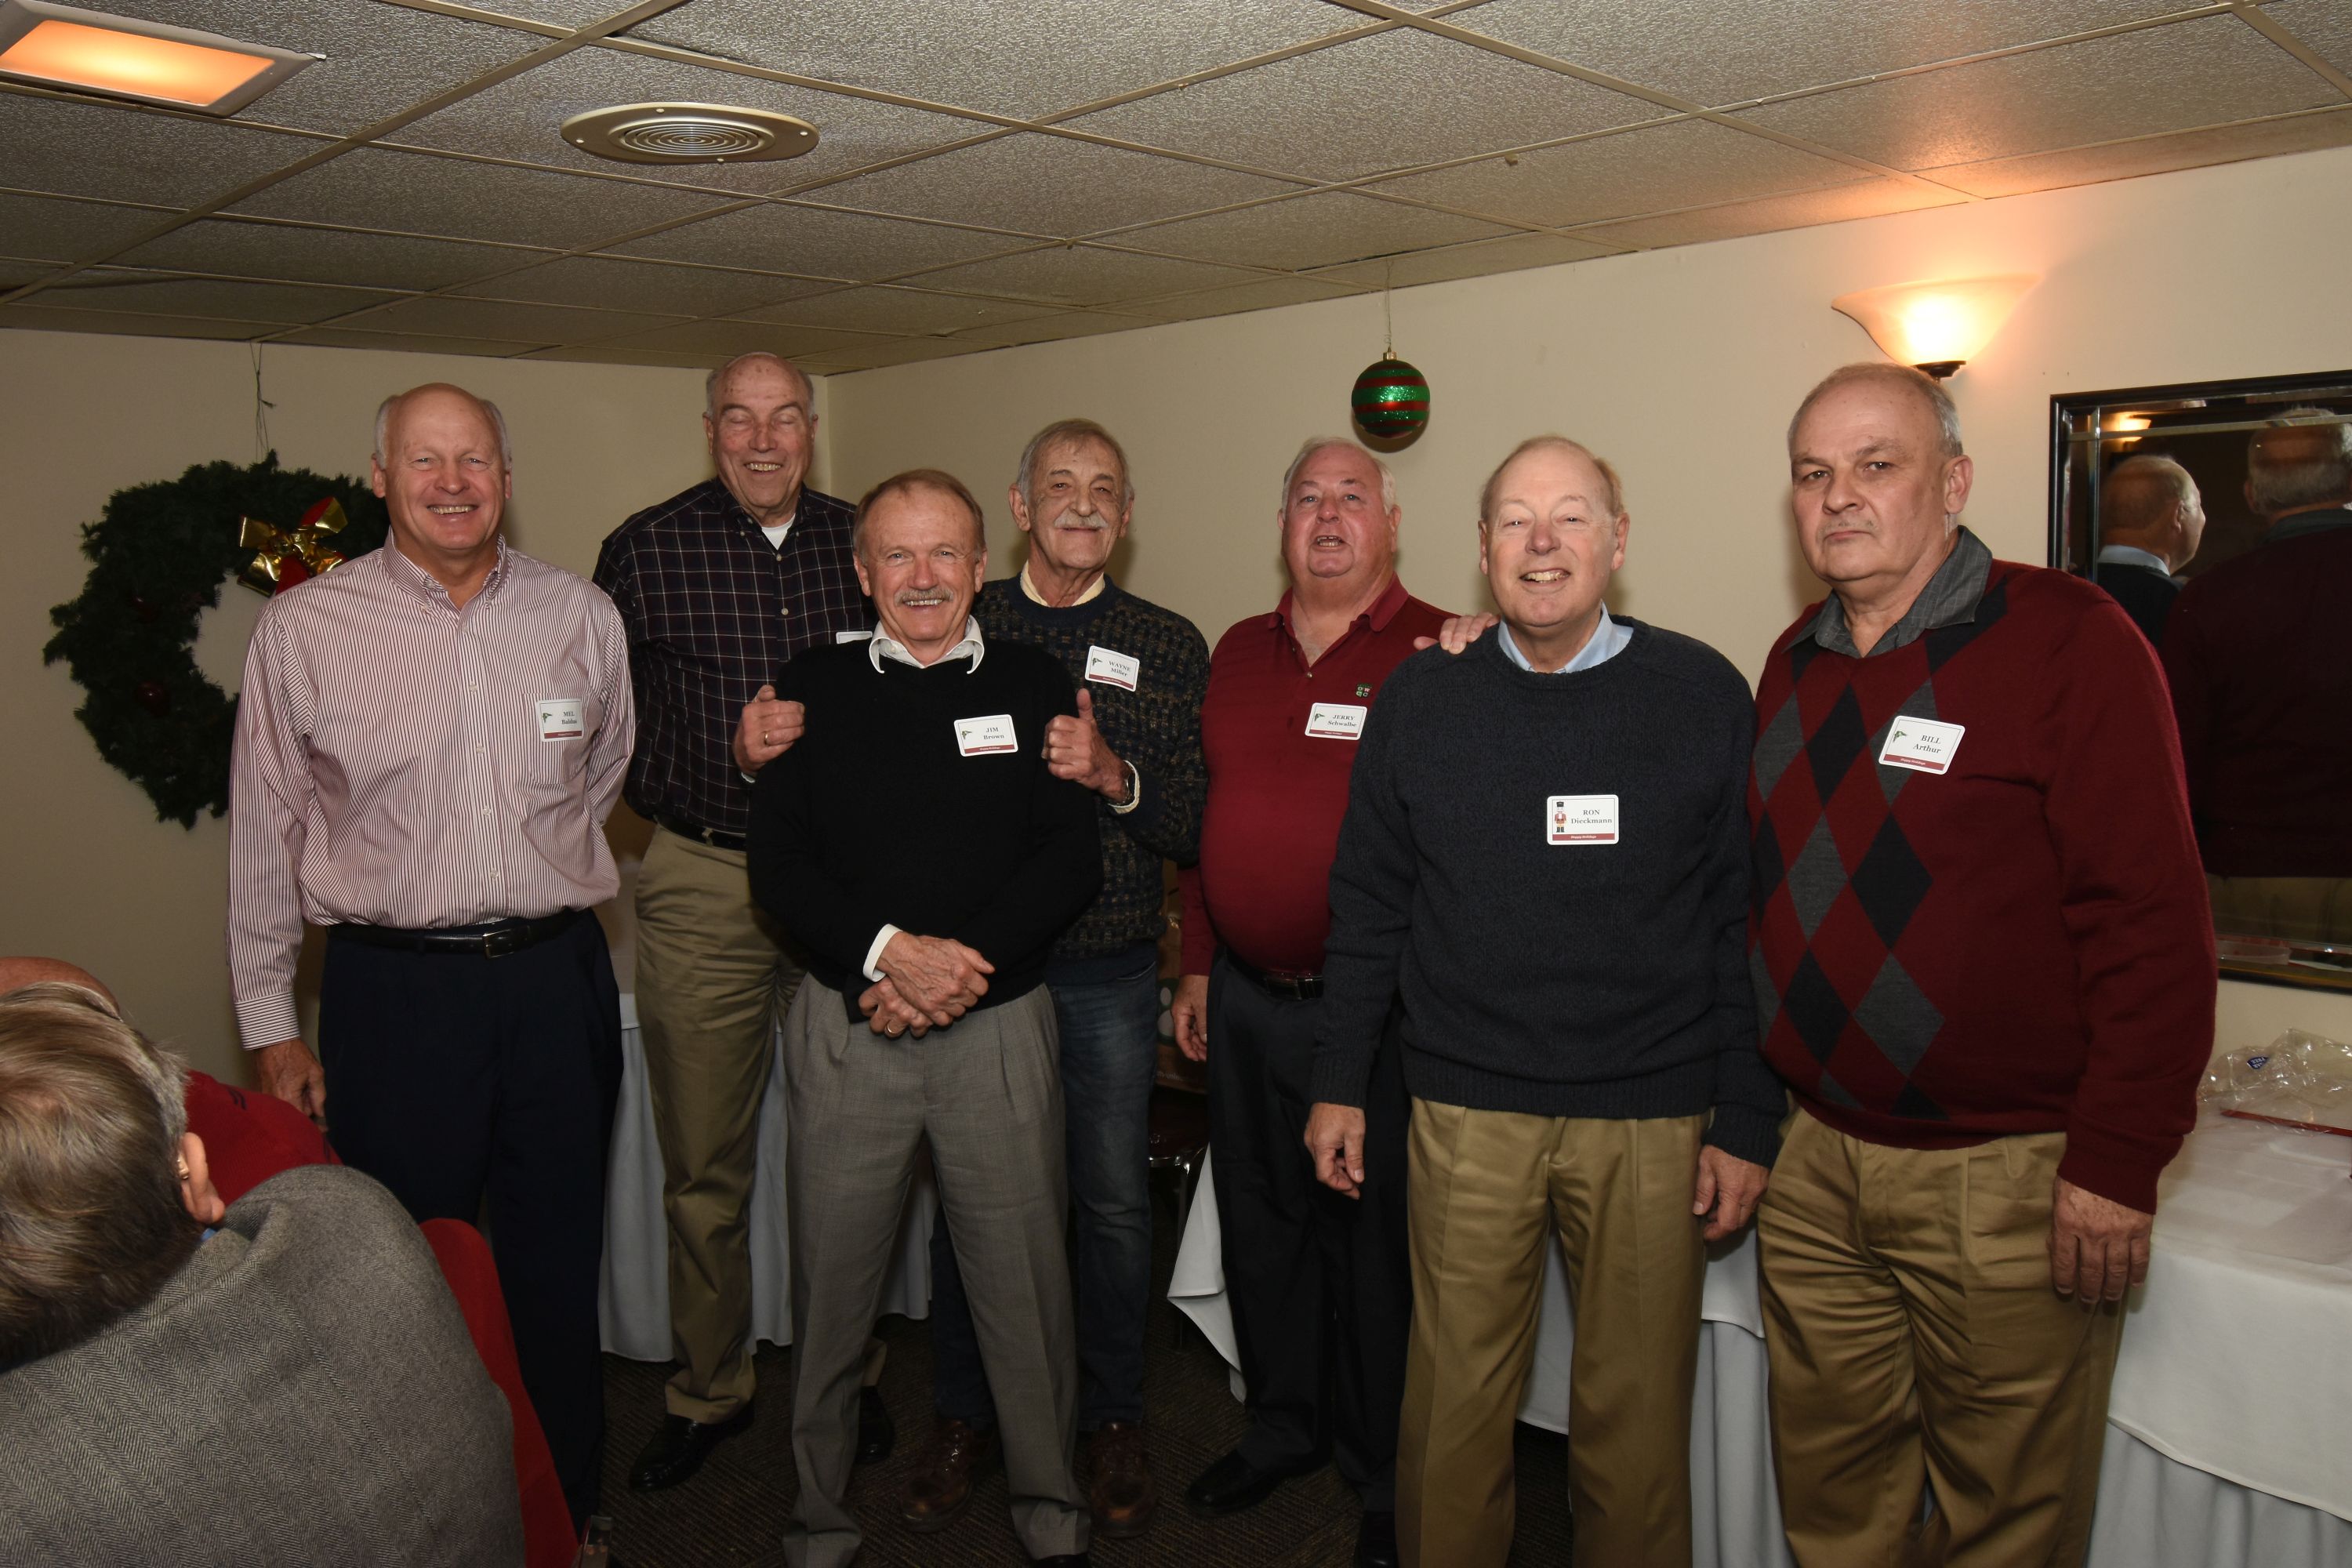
pixel 153 696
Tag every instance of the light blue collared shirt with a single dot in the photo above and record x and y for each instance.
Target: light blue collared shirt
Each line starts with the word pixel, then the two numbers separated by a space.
pixel 2133 555
pixel 1607 641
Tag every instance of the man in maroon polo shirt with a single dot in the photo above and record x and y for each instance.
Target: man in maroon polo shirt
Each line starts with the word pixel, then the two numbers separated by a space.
pixel 1321 1295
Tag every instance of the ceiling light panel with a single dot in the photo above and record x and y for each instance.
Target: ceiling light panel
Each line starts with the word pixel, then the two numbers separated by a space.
pixel 811 240
pixel 1422 99
pixel 57 230
pixel 322 256
pixel 610 283
pixel 2133 84
pixel 1310 231
pixel 159 62
pixel 1084 275
pixel 132 154
pixel 1028 60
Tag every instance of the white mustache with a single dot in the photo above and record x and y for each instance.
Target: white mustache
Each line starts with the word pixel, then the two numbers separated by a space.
pixel 1094 522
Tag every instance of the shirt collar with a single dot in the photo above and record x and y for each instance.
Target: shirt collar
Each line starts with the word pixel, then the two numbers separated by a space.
pixel 1951 597
pixel 2304 522
pixel 1607 641
pixel 427 587
pixel 1379 614
pixel 1029 589
pixel 882 646
pixel 2133 555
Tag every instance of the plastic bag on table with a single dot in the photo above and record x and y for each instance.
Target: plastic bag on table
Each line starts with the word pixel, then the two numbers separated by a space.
pixel 2300 1080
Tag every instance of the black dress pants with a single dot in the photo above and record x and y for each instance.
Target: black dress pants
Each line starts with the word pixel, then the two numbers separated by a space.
pixel 1320 1284
pixel 452 1079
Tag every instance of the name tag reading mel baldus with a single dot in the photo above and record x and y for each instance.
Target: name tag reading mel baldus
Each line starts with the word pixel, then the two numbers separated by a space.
pixel 559 719
pixel 1921 744
pixel 1336 720
pixel 1111 668
pixel 980 737
pixel 1580 819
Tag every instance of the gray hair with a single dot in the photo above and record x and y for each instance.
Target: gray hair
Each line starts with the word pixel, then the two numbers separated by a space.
pixel 2137 492
pixel 1920 384
pixel 498 422
pixel 1315 443
pixel 1616 487
pixel 1074 431
pixel 938 481
pixel 2293 466
pixel 718 378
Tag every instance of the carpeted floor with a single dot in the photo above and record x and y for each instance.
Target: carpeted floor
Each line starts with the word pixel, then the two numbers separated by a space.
pixel 734 1510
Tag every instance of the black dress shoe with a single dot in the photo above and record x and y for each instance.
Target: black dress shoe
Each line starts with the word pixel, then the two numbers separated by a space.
pixel 1376 1545
pixel 678 1448
pixel 1232 1484
pixel 877 1433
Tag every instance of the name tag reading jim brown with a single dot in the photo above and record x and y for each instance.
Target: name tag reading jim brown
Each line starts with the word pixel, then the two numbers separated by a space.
pixel 981 737
pixel 1922 744
pixel 1336 720
pixel 559 719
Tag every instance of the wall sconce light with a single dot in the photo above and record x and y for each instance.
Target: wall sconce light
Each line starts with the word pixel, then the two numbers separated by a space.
pixel 147 62
pixel 1936 327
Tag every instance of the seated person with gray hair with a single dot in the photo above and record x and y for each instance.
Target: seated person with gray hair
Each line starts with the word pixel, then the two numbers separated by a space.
pixel 283 1380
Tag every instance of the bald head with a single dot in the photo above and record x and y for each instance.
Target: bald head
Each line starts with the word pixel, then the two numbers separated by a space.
pixel 16 974
pixel 389 410
pixel 2300 467
pixel 2152 504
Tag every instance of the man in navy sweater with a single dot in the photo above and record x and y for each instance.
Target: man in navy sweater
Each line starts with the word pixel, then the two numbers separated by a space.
pixel 915 842
pixel 1545 851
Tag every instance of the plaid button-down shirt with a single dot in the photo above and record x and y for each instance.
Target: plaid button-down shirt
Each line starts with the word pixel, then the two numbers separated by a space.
pixel 713 610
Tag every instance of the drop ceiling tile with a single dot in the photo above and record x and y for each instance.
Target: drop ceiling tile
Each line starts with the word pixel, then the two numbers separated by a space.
pixel 612 284
pixel 567 13
pixel 16 271
pixel 1049 184
pixel 597 353
pixel 1054 329
pixel 2134 84
pixel 2325 24
pixel 40 319
pixel 520 117
pixel 2151 155
pixel 403 342
pixel 321 255
pixel 228 298
pixel 1388 101
pixel 1688 163
pixel 59 230
pixel 719 340
pixel 1310 231
pixel 1024 60
pixel 1477 259
pixel 133 154
pixel 1263 295
pixel 817 241
pixel 449 315
pixel 897 350
pixel 1865 199
pixel 1729 54
pixel 1082 274
pixel 380 60
pixel 411 192
pixel 889 309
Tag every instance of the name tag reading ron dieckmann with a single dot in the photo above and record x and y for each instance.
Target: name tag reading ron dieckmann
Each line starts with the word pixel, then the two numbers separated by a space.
pixel 1111 668
pixel 559 719
pixel 1921 744
pixel 1336 720
pixel 1580 819
pixel 980 737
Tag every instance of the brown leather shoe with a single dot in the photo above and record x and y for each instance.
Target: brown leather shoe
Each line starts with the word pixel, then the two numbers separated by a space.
pixel 940 1486
pixel 1122 1493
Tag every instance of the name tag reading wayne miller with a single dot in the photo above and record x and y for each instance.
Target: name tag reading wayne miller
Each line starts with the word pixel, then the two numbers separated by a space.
pixel 979 737
pixel 1922 744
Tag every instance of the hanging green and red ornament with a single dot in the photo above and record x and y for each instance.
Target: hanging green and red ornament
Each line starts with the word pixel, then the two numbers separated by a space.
pixel 1391 401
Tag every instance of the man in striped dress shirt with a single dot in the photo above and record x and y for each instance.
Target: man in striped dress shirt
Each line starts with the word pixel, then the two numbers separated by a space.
pixel 427 742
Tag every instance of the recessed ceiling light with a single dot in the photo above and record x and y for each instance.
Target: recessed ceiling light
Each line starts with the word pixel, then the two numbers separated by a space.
pixel 688 133
pixel 63 46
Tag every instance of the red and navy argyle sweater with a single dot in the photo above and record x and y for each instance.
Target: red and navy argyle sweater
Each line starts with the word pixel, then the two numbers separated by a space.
pixel 2020 945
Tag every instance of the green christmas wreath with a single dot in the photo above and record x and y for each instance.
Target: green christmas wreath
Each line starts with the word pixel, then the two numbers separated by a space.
pixel 158 558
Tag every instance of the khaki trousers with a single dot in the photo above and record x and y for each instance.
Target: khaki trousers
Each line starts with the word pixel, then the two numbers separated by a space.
pixel 1487 1191
pixel 1915 1338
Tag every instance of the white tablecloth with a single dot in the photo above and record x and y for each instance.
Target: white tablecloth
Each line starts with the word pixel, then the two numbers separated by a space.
pixel 2230 1442
pixel 634 1301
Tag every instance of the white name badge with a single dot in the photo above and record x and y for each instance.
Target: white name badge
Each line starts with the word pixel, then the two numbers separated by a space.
pixel 559 719
pixel 1336 720
pixel 980 737
pixel 1112 668
pixel 1921 744
pixel 1580 819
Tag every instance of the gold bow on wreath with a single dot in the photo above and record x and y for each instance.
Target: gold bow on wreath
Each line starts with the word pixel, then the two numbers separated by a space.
pixel 285 558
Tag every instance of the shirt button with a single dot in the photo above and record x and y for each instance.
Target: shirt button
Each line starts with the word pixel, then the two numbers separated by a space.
pixel 785 611
pixel 494 876
pixel 486 811
pixel 473 686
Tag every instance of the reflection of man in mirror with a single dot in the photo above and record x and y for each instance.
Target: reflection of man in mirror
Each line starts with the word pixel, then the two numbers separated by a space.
pixel 2261 681
pixel 2150 519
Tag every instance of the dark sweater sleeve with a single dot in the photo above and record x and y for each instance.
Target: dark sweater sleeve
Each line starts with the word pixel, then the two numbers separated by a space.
pixel 1061 873
pixel 1170 779
pixel 1372 880
pixel 1749 1100
pixel 788 874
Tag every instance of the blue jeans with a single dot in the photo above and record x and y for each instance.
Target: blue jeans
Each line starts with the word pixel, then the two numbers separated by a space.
pixel 1110 1058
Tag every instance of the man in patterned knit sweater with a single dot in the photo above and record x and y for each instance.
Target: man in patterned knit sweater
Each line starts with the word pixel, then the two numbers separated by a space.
pixel 1983 961
pixel 1141 673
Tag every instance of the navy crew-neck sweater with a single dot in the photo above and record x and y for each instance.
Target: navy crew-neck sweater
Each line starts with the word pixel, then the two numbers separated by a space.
pixel 1581 978
pixel 876 816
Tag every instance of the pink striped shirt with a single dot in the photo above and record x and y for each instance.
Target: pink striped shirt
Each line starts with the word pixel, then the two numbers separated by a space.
pixel 403 762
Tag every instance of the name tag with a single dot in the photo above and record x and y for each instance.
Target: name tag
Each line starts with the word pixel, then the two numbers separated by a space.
pixel 1112 668
pixel 1336 720
pixel 559 719
pixel 1922 744
pixel 1580 819
pixel 980 737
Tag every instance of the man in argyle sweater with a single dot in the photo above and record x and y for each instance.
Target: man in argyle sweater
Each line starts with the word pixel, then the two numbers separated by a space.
pixel 1984 963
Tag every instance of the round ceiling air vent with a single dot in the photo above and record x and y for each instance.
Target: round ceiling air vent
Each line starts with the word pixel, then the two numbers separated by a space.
pixel 688 133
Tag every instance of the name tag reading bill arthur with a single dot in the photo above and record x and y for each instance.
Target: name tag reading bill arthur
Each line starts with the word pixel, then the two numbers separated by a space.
pixel 1336 720
pixel 1580 819
pixel 980 737
pixel 1111 668
pixel 559 719
pixel 1922 744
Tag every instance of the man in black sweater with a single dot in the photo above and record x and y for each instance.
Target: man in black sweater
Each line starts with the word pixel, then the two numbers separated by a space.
pixel 915 843
pixel 1546 851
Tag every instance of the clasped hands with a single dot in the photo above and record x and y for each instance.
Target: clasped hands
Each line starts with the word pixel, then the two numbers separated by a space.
pixel 928 983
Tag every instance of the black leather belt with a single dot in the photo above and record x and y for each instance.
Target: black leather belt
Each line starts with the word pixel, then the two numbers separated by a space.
pixel 1290 987
pixel 494 939
pixel 710 836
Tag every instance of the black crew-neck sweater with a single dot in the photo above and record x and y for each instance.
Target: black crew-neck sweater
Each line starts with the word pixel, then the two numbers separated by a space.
pixel 1579 979
pixel 876 817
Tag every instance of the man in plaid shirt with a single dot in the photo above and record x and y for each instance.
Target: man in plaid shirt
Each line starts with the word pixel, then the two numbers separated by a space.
pixel 720 586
